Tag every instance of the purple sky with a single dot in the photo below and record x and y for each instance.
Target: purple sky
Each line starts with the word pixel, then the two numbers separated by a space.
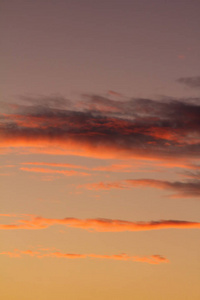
pixel 137 48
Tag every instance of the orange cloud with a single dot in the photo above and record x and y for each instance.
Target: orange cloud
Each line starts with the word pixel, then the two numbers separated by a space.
pixel 105 185
pixel 115 168
pixel 182 165
pixel 99 225
pixel 7 215
pixel 10 254
pixel 109 168
pixel 65 255
pixel 52 171
pixel 29 252
pixel 153 259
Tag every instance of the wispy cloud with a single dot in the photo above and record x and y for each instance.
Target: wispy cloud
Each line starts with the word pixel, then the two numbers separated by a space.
pixel 101 127
pixel 182 189
pixel 195 175
pixel 7 215
pixel 100 225
pixel 115 168
pixel 53 171
pixel 109 168
pixel 152 259
pixel 181 165
pixel 105 185
pixel 51 164
pixel 192 82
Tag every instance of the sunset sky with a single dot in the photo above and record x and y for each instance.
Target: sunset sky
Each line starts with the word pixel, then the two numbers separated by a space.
pixel 100 150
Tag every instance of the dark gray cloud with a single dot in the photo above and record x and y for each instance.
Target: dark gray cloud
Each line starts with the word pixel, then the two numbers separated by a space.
pixel 135 127
pixel 182 189
pixel 194 174
pixel 192 82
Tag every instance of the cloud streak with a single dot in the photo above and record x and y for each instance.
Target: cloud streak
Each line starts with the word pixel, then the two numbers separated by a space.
pixel 52 171
pixel 110 168
pixel 152 259
pixel 182 189
pixel 61 165
pixel 99 225
pixel 101 127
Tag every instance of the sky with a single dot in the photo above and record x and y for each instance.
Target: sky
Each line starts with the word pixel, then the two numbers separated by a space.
pixel 100 149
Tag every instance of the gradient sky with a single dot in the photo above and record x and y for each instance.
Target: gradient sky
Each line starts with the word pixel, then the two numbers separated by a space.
pixel 100 149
